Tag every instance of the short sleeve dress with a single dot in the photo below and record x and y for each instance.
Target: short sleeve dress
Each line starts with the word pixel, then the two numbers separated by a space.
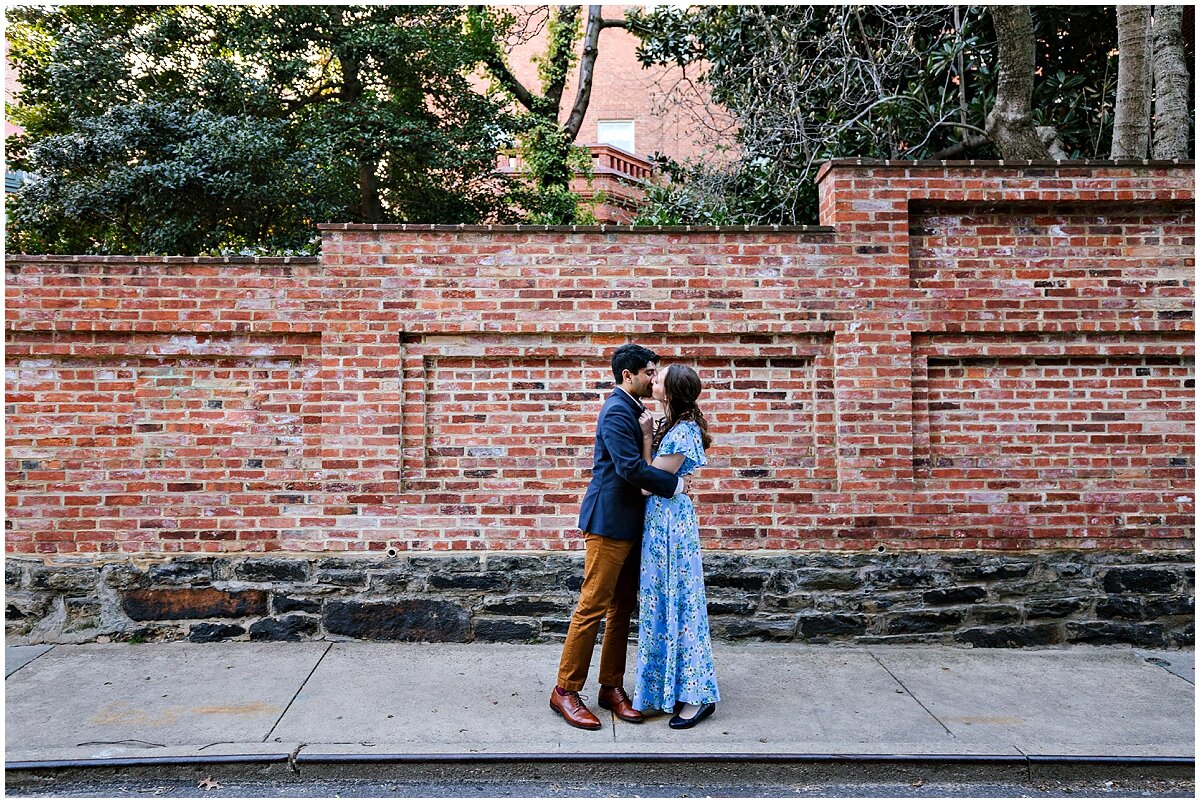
pixel 675 661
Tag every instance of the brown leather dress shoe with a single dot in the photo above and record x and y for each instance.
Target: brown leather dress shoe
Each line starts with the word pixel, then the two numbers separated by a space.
pixel 616 700
pixel 573 710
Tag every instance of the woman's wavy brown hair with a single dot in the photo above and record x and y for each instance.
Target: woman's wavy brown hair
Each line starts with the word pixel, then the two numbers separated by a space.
pixel 683 387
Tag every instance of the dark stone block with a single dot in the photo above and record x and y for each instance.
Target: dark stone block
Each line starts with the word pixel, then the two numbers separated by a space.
pixel 1052 608
pixel 210 631
pixel 1140 580
pixel 783 602
pixel 1022 636
pixel 1170 606
pixel 509 564
pixel 995 614
pixel 343 578
pixel 284 604
pixel 1184 636
pixel 556 627
pixel 145 604
pixel 529 606
pixel 12 574
pixel 445 565
pixel 827 580
pixel 1120 608
pixel 181 571
pixel 901 577
pixel 392 581
pixel 506 629
pixel 923 621
pixel 404 620
pixel 954 596
pixel 272 570
pixel 286 628
pixel 572 582
pixel 723 607
pixel 760 628
pixel 348 563
pixel 63 578
pixel 1139 635
pixel 484 581
pixel 870 603
pixel 990 570
pixel 745 581
pixel 835 624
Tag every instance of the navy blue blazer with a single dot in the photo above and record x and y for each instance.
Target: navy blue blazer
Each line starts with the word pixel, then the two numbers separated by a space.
pixel 613 505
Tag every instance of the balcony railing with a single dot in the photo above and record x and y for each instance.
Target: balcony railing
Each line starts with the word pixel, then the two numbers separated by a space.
pixel 606 160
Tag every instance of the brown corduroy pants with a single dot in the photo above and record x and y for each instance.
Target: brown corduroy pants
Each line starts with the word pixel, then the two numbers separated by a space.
pixel 609 594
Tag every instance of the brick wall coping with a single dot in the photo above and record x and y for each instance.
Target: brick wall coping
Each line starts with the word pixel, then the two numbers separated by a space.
pixel 173 260
pixel 1001 164
pixel 601 229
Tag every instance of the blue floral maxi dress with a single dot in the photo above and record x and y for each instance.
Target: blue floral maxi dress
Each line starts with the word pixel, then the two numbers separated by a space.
pixel 675 661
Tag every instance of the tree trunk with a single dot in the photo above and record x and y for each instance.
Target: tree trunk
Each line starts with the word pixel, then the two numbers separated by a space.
pixel 370 208
pixel 1131 118
pixel 1171 117
pixel 1010 123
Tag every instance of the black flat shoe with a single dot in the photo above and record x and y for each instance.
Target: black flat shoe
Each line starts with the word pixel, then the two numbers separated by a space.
pixel 679 723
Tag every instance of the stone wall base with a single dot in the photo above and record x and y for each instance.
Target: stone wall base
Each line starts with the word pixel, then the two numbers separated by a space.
pixel 981 599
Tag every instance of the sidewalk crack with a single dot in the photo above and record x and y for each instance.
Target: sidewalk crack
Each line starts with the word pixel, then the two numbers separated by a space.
pixel 288 707
pixel 27 663
pixel 910 694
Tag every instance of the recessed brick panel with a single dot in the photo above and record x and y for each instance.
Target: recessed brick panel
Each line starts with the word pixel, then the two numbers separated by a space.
pixel 1103 422
pixel 482 430
pixel 168 451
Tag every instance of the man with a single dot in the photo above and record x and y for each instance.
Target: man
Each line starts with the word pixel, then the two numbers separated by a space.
pixel 611 517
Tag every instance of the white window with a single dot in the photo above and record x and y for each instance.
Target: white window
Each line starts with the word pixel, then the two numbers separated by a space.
pixel 618 133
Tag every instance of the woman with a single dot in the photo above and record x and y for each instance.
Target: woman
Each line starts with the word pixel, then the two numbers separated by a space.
pixel 675 667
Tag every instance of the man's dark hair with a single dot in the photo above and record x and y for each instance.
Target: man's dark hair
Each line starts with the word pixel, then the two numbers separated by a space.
pixel 632 358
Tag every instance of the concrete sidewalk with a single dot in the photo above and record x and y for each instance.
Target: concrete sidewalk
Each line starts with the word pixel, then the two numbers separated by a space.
pixel 315 702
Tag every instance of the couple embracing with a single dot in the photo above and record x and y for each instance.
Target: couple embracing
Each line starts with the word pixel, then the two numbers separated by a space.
pixel 642 548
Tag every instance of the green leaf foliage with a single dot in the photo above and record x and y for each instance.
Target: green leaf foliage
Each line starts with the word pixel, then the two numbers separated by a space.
pixel 219 129
pixel 806 84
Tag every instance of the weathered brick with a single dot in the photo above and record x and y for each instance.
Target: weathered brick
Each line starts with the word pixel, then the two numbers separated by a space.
pixel 146 604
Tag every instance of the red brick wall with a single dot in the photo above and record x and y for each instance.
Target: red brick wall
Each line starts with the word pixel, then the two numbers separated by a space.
pixel 995 357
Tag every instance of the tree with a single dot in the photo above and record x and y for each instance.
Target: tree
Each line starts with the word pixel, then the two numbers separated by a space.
pixel 550 155
pixel 806 84
pixel 182 129
pixel 1131 123
pixel 1171 116
pixel 1010 122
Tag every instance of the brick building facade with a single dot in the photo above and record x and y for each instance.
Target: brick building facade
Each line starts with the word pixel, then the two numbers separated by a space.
pixel 627 98
pixel 961 409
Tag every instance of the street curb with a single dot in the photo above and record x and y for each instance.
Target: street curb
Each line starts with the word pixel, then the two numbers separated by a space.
pixel 601 758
